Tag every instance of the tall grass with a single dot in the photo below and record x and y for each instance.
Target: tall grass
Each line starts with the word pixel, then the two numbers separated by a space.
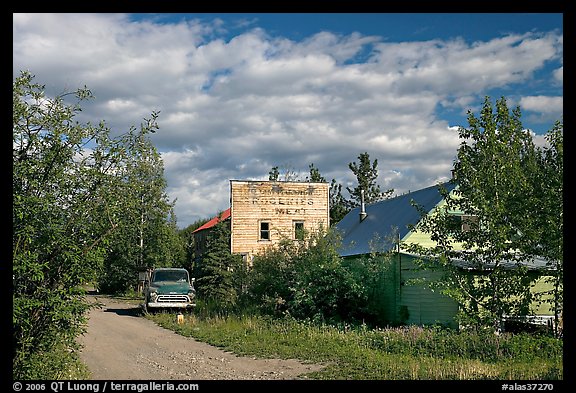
pixel 357 352
pixel 60 363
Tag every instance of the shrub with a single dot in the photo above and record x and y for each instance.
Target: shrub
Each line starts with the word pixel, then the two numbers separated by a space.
pixel 307 280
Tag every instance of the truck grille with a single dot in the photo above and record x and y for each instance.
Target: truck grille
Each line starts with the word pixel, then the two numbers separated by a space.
pixel 173 299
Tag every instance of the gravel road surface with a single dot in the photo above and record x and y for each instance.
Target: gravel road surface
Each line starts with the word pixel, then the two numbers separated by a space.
pixel 120 344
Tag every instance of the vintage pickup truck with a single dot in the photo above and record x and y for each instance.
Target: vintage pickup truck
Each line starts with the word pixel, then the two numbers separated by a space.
pixel 169 288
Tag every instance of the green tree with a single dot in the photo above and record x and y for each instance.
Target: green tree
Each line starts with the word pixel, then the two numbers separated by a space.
pixel 366 173
pixel 148 236
pixel 545 215
pixel 274 174
pixel 498 172
pixel 189 243
pixel 77 197
pixel 219 271
pixel 288 173
pixel 339 205
pixel 64 193
pixel 315 175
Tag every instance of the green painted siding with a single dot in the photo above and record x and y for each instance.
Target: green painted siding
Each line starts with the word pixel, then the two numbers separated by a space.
pixel 402 295
pixel 388 291
pixel 424 239
pixel 386 288
pixel 400 300
pixel 542 286
pixel 418 304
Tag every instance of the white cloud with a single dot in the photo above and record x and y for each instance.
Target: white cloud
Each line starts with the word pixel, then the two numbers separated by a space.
pixel 543 104
pixel 233 108
pixel 449 67
pixel 120 105
pixel 559 75
pixel 542 109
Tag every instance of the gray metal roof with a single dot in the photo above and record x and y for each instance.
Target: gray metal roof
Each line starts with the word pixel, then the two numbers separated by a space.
pixel 383 219
pixel 533 263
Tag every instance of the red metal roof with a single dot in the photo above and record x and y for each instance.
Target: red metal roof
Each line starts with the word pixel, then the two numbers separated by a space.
pixel 225 215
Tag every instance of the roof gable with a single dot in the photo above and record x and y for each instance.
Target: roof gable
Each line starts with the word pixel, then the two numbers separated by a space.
pixel 385 217
pixel 212 222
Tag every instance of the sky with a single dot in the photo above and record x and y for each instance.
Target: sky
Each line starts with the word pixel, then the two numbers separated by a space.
pixel 238 93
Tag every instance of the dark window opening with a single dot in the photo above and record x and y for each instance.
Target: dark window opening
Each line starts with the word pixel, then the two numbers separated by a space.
pixel 469 223
pixel 299 233
pixel 264 231
pixel 462 223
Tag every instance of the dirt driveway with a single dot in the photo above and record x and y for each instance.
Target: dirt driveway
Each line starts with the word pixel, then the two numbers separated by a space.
pixel 122 345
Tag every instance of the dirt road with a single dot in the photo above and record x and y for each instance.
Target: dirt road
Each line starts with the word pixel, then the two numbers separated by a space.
pixel 122 345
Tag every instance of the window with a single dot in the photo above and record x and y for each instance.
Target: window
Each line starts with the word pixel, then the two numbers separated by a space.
pixel 299 233
pixel 264 230
pixel 462 222
pixel 170 275
pixel 469 223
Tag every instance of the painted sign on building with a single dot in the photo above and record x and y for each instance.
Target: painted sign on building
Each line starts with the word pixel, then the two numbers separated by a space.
pixel 264 212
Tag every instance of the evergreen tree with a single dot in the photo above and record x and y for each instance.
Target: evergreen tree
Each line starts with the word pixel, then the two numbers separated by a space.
pixel 366 174
pixel 289 174
pixel 339 206
pixel 189 244
pixel 315 175
pixel 273 174
pixel 217 281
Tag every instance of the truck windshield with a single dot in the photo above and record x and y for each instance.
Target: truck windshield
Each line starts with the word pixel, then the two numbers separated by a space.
pixel 170 276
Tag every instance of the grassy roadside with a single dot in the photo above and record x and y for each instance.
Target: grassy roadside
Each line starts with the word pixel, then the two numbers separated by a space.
pixel 358 353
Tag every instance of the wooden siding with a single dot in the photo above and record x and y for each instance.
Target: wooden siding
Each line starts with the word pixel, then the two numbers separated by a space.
pixel 416 236
pixel 418 304
pixel 543 286
pixel 278 203
pixel 384 287
pixel 402 300
pixel 403 296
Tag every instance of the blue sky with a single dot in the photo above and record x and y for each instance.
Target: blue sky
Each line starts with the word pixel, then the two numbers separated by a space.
pixel 240 93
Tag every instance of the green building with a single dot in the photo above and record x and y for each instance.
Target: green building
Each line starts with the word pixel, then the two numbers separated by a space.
pixel 403 295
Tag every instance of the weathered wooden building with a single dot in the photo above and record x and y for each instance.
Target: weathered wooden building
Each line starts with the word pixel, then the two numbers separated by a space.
pixel 262 213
